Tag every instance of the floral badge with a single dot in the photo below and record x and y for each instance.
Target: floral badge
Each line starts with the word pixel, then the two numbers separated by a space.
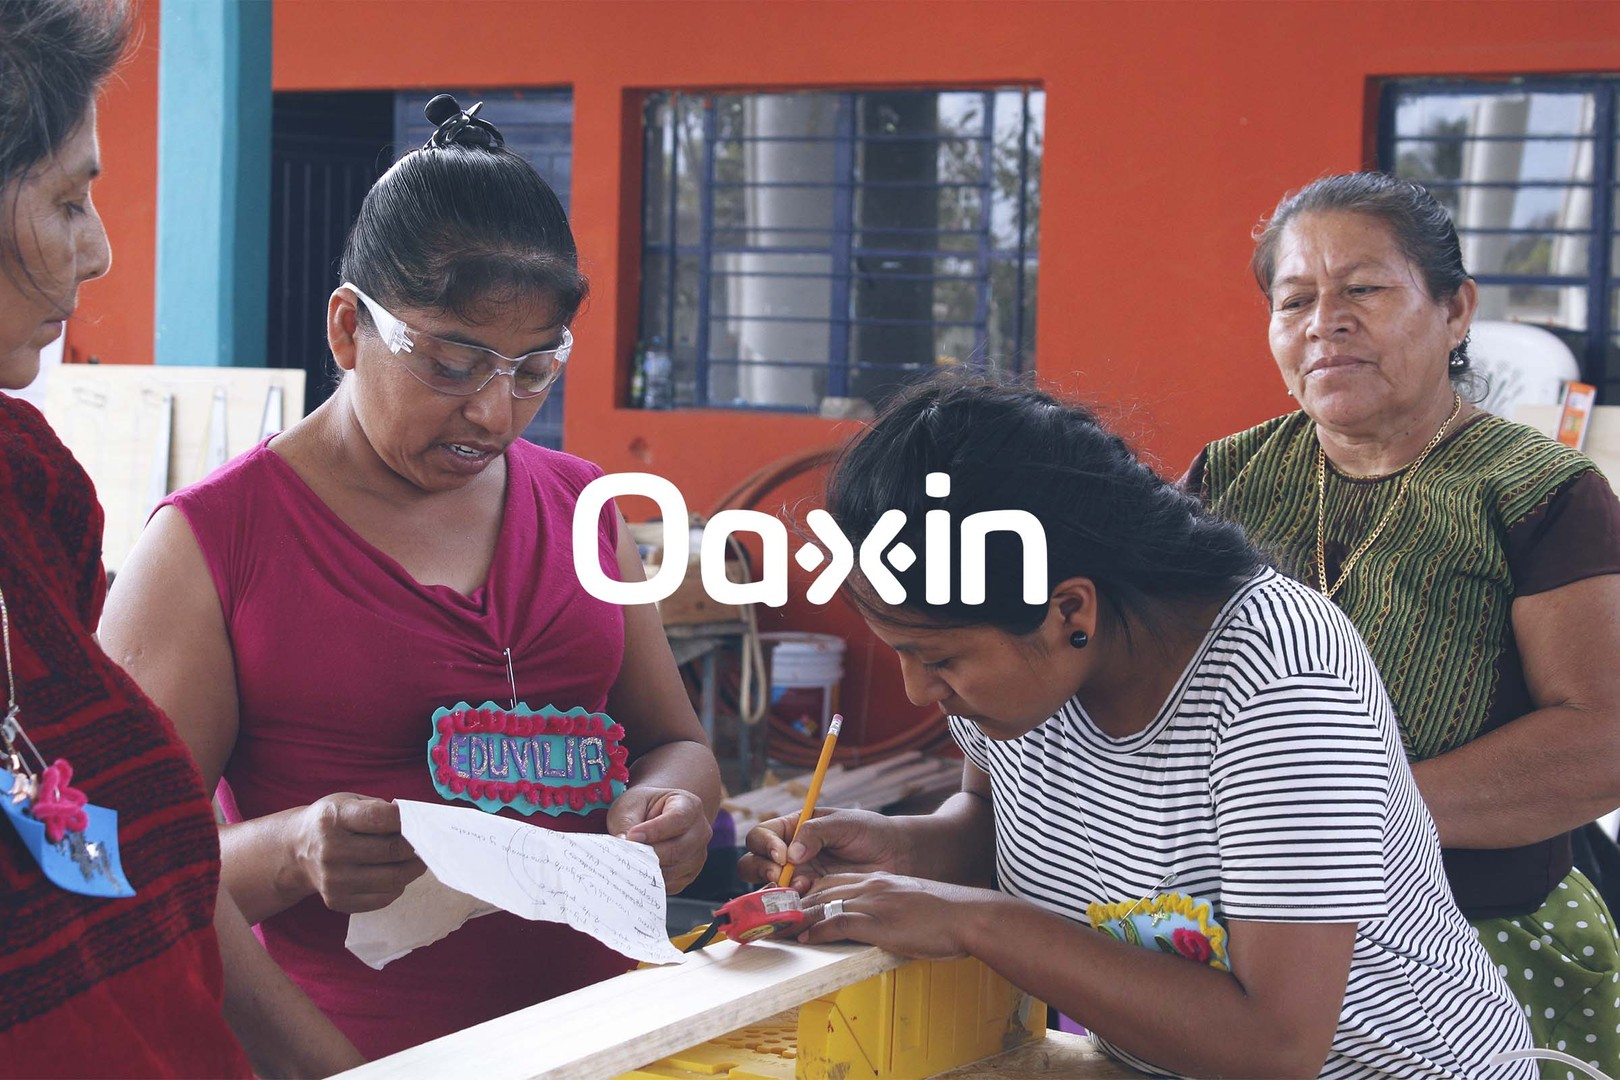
pixel 547 761
pixel 1171 922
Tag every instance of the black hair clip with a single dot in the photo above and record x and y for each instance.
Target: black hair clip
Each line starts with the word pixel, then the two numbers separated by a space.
pixel 456 128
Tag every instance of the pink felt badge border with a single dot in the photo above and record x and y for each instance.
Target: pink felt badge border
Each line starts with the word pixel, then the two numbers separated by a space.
pixel 535 761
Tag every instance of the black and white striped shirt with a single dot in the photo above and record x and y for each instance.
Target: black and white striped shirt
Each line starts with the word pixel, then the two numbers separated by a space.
pixel 1273 784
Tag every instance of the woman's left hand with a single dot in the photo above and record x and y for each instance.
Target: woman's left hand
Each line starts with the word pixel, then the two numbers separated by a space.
pixel 923 919
pixel 673 821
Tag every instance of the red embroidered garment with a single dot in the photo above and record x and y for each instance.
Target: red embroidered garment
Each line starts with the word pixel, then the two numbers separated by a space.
pixel 97 987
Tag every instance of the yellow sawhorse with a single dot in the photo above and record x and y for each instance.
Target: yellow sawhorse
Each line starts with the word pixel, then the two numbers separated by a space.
pixel 912 1022
pixel 627 1023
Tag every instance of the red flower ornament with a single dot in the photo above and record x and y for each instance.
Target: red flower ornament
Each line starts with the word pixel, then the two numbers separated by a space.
pixel 59 807
pixel 1192 944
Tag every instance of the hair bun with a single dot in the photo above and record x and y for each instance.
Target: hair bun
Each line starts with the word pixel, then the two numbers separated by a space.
pixel 441 108
pixel 453 127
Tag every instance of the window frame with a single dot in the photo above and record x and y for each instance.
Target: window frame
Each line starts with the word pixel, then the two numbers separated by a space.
pixel 1601 283
pixel 842 251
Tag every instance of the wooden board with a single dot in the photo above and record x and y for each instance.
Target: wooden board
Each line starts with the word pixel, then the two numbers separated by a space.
pixel 690 604
pixel 618 1025
pixel 112 417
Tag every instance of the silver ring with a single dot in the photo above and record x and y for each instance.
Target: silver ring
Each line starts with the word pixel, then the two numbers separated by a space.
pixel 833 909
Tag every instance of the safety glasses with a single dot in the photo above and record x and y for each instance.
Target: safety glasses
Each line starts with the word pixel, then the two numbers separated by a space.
pixel 454 367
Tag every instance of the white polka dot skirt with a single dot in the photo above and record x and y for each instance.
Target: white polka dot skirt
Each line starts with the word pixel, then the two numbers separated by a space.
pixel 1563 964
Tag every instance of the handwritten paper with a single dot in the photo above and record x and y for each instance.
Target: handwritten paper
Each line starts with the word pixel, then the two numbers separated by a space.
pixel 477 863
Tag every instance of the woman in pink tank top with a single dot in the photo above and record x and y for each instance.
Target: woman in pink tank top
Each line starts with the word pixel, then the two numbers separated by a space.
pixel 312 614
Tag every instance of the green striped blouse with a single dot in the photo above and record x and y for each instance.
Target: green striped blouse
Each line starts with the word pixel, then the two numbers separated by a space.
pixel 1432 596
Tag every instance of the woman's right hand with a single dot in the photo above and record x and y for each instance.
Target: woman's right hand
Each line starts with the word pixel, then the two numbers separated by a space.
pixel 832 842
pixel 349 850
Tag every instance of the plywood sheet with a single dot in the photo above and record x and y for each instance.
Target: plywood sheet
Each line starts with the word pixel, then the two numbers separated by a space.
pixel 113 417
pixel 617 1025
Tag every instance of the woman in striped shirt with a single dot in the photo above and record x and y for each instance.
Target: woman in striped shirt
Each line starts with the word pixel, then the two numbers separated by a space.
pixel 1169 743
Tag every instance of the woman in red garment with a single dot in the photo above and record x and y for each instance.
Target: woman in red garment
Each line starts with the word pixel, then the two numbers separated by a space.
pixel 111 946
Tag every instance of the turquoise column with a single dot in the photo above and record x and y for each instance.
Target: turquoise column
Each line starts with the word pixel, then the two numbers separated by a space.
pixel 213 223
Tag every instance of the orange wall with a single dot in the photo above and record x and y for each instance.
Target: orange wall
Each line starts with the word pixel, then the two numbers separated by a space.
pixel 1170 128
pixel 115 318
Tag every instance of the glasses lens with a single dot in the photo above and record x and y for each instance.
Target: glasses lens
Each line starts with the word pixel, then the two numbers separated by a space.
pixel 452 368
pixel 448 367
pixel 539 371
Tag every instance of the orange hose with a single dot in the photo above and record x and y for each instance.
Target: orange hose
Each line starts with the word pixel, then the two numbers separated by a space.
pixel 754 487
pixel 789 745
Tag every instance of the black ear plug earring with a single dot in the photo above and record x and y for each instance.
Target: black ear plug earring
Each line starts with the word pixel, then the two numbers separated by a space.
pixel 1079 639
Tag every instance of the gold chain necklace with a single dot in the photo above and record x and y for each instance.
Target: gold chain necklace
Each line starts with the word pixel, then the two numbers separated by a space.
pixel 1394 506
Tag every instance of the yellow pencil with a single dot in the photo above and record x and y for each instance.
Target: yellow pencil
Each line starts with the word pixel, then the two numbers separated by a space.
pixel 815 788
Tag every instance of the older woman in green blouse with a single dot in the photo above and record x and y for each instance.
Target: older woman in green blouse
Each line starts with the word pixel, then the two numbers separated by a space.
pixel 1479 559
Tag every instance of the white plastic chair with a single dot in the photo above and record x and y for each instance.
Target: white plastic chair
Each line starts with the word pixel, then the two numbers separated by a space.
pixel 1521 364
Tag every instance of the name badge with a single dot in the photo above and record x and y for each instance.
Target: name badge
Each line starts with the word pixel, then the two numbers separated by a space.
pixel 543 761
pixel 1173 923
pixel 83 861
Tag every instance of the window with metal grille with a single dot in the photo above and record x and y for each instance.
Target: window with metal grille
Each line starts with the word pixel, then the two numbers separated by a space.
pixel 1527 168
pixel 811 246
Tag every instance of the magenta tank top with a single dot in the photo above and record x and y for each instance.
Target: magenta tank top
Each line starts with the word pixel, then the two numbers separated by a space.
pixel 341 658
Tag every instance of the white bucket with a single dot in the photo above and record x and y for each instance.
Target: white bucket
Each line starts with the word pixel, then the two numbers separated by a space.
pixel 806 670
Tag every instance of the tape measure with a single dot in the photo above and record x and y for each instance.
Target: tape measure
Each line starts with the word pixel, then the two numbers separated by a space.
pixel 769 912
